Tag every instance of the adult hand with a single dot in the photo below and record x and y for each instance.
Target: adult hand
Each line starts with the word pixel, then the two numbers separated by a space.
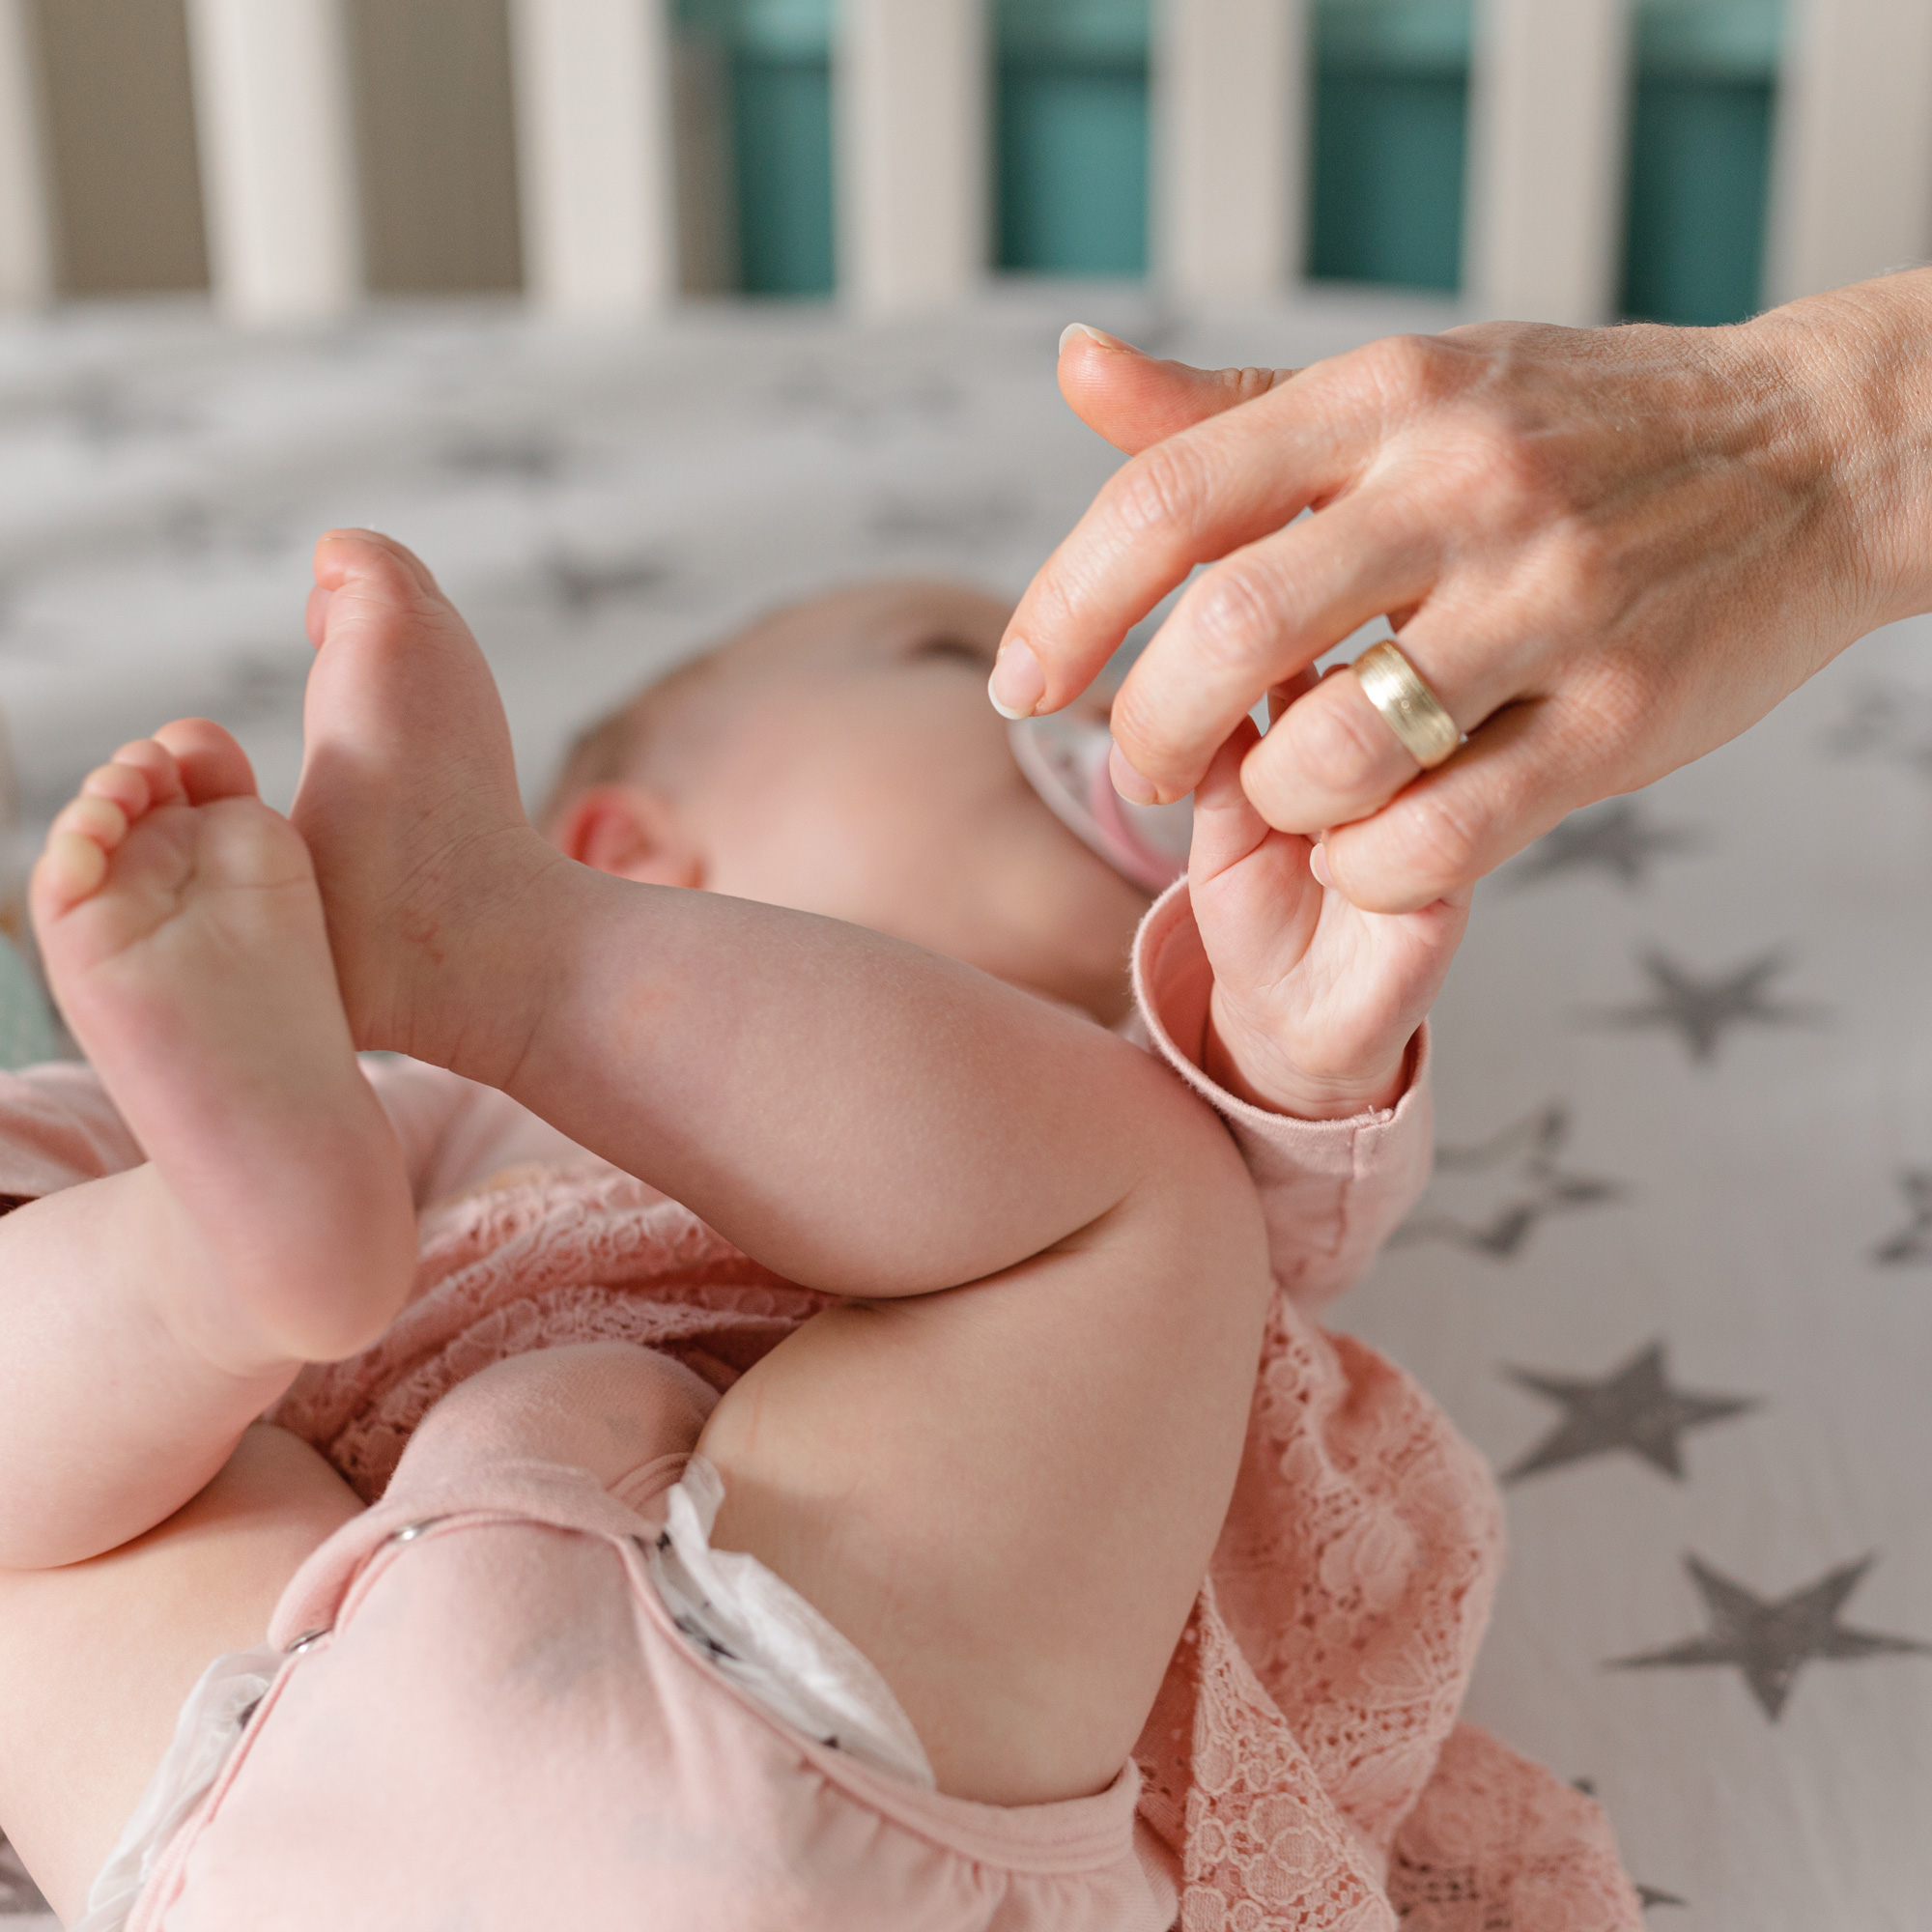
pixel 1607 550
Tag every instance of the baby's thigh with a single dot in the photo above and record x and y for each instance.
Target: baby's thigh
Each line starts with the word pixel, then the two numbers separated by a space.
pixel 1007 1495
pixel 96 1658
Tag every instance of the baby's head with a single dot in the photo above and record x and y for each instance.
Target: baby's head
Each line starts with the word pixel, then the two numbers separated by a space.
pixel 841 757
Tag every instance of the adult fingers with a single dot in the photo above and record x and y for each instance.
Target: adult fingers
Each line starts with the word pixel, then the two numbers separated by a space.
pixel 1254 620
pixel 1332 757
pixel 1133 399
pixel 1515 779
pixel 1187 499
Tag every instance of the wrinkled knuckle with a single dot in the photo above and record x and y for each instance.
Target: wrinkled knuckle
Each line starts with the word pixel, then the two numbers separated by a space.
pixel 1236 622
pixel 1442 842
pixel 1412 370
pixel 1160 488
pixel 1623 694
pixel 1333 749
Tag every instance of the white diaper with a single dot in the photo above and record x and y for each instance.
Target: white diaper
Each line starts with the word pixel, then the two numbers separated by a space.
pixel 758 1632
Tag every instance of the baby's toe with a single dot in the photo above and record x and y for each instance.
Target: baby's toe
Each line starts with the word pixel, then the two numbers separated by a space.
pixel 156 765
pixel 100 819
pixel 213 765
pixel 125 785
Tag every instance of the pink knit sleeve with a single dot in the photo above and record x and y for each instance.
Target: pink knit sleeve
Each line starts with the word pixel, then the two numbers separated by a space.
pixel 1331 1190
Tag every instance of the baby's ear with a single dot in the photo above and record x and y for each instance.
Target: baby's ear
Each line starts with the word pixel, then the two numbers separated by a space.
pixel 631 833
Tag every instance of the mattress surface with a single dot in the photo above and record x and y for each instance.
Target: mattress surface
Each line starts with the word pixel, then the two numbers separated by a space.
pixel 1675 1273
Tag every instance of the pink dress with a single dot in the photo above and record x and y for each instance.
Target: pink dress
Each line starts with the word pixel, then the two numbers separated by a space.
pixel 1301 1769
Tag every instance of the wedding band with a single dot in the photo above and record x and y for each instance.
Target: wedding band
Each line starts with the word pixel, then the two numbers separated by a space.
pixel 1409 707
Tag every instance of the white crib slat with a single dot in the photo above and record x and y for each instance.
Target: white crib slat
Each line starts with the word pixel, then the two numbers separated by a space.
pixel 1229 142
pixel 1549 108
pixel 277 133
pixel 911 111
pixel 595 155
pixel 1852 177
pixel 26 239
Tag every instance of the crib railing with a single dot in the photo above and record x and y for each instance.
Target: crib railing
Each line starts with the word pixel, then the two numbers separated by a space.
pixel 618 206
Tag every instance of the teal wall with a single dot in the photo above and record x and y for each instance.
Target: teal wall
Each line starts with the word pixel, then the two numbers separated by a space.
pixel 1071 144
pixel 1701 159
pixel 1391 134
pixel 780 64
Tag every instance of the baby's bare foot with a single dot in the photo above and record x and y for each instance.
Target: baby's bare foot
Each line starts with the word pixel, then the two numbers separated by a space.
pixel 410 809
pixel 184 937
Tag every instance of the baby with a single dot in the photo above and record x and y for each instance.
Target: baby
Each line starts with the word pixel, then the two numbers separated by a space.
pixel 934 1507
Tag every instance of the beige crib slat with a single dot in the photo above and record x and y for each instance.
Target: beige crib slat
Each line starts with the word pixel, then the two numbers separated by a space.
pixel 26 242
pixel 1548 112
pixel 1229 141
pixel 911 109
pixel 273 117
pixel 595 155
pixel 1851 176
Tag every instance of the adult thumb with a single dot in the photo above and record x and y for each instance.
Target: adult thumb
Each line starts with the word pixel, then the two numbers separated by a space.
pixel 1135 401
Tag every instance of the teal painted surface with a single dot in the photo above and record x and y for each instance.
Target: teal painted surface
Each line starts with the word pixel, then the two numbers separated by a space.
pixel 1391 141
pixel 1072 147
pixel 1701 159
pixel 781 139
pixel 26 1021
pixel 779 55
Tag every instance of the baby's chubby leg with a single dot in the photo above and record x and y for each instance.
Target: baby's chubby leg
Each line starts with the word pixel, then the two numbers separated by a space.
pixel 150 1317
pixel 999 1467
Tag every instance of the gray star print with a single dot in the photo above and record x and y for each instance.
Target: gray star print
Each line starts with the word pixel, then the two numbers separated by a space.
pixel 1889 726
pixel 1702 1010
pixel 1771 1641
pixel 1613 838
pixel 1490 1197
pixel 1632 1408
pixel 1912 1243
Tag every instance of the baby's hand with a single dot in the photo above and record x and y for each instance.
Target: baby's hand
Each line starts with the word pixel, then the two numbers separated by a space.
pixel 1315 1002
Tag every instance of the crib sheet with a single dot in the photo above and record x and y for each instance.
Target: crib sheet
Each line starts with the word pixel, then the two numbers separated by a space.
pixel 1675 1272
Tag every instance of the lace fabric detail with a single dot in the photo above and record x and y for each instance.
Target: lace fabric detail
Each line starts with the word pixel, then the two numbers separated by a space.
pixel 576 1256
pixel 1302 1766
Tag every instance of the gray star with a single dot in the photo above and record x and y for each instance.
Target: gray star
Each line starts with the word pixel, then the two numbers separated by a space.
pixel 1771 1641
pixel 1702 1008
pixel 583 587
pixel 1912 1243
pixel 1887 726
pixel 1502 1187
pixel 1632 1408
pixel 1615 838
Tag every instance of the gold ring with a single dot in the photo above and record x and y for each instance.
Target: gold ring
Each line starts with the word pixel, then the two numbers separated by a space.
pixel 1409 707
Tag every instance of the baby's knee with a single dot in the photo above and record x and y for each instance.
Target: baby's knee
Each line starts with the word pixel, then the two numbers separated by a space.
pixel 609 1407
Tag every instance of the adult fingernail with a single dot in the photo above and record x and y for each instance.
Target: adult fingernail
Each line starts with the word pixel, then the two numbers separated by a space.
pixel 1017 683
pixel 1092 333
pixel 1318 864
pixel 1127 781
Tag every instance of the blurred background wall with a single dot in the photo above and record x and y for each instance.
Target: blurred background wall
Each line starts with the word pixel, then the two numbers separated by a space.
pixel 1685 161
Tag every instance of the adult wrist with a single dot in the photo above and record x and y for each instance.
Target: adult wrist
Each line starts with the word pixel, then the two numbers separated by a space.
pixel 1855 371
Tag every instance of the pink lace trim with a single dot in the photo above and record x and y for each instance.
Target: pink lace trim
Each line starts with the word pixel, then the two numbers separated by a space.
pixel 1302 1765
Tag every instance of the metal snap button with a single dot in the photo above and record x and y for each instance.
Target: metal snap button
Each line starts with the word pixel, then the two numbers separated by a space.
pixel 409 1532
